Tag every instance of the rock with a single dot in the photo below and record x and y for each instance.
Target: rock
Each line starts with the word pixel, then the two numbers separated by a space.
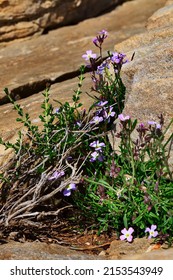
pixel 27 65
pixel 41 251
pixel 19 19
pixel 161 18
pixel 139 249
pixel 149 77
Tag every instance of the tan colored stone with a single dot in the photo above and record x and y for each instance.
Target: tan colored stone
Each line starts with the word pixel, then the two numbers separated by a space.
pixel 19 19
pixel 139 249
pixel 161 18
pixel 28 64
pixel 149 77
pixel 40 251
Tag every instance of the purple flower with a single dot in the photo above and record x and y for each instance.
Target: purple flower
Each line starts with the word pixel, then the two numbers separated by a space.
pixel 67 191
pixel 100 70
pixel 96 156
pixel 95 41
pixel 110 113
pixel 103 32
pixel 151 122
pixel 56 175
pixel 96 120
pixel 79 123
pixel 158 126
pixel 118 58
pixel 101 103
pixel 98 40
pixel 152 232
pixel 123 118
pixel 127 234
pixel 89 54
pixel 97 145
pixel 102 67
pixel 57 110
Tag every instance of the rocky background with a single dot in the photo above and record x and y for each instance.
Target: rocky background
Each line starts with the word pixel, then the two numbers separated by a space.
pixel 36 47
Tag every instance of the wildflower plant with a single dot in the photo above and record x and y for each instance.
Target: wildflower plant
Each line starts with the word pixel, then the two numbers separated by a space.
pixel 125 188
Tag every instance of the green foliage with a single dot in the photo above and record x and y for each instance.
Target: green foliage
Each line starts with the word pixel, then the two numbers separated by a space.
pixel 122 185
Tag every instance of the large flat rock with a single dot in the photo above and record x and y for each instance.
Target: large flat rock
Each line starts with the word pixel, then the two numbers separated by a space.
pixel 19 19
pixel 27 65
pixel 139 249
pixel 31 62
pixel 149 77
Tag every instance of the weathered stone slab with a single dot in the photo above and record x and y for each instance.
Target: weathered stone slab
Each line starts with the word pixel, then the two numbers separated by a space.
pixel 19 19
pixel 27 65
pixel 139 249
pixel 149 77
pixel 41 251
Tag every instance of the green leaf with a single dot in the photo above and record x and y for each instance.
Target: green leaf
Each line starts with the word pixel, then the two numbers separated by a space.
pixel 125 221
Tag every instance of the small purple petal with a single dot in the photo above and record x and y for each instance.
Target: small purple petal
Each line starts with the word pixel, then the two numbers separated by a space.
pixel 101 103
pixel 129 238
pixel 89 54
pixel 130 230
pixel 123 118
pixel 96 120
pixel 122 237
pixel 124 231
pixel 153 227
pixel 147 229
pixel 151 122
pixel 66 192
pixel 72 186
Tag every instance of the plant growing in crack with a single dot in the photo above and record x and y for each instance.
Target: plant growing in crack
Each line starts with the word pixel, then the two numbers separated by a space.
pixel 70 161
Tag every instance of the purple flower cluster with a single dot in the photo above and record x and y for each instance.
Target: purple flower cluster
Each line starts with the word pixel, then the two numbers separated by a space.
pixel 127 233
pixel 98 40
pixel 103 114
pixel 97 154
pixel 118 58
pixel 157 125
pixel 68 189
pixel 102 67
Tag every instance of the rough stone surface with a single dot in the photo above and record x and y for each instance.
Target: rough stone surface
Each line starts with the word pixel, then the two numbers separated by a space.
pixel 27 65
pixel 19 19
pixel 31 62
pixel 149 77
pixel 140 249
pixel 161 18
pixel 40 251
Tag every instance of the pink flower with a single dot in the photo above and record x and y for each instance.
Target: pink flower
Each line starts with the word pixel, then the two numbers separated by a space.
pixel 152 232
pixel 127 234
pixel 96 120
pixel 89 54
pixel 123 118
pixel 158 126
